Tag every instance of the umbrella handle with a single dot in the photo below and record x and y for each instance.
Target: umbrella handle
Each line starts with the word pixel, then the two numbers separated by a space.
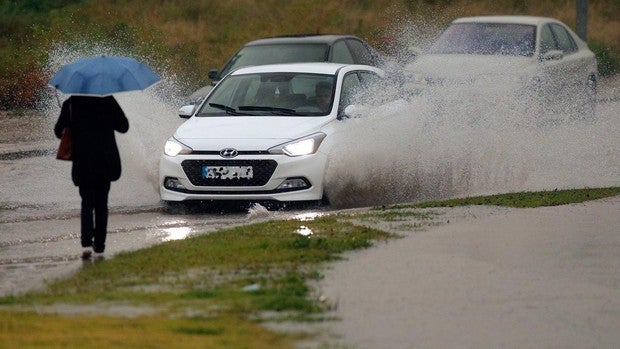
pixel 57 98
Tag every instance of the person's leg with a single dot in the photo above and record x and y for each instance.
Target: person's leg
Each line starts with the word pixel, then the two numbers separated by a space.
pixel 87 226
pixel 101 216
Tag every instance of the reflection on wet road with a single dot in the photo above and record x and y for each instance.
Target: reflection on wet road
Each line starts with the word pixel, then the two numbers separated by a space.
pixel 36 249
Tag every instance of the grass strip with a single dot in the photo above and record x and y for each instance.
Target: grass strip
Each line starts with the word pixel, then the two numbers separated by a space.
pixel 521 200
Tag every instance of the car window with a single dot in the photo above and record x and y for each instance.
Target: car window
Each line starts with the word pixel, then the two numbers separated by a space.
pixel 361 52
pixel 276 53
pixel 360 87
pixel 369 79
pixel 351 86
pixel 547 40
pixel 341 54
pixel 486 39
pixel 291 94
pixel 371 82
pixel 565 41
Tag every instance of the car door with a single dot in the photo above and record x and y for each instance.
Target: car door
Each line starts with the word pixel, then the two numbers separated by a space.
pixel 575 67
pixel 551 74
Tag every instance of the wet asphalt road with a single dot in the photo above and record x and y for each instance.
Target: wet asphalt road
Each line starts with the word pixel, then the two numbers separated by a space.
pixel 490 278
pixel 45 248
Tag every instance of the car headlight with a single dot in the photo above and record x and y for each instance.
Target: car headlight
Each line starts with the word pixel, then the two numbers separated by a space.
pixel 302 146
pixel 174 148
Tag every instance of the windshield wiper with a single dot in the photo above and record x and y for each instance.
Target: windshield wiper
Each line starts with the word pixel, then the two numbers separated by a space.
pixel 227 109
pixel 280 111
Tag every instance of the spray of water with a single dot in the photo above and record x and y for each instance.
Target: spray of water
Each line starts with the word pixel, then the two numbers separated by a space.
pixel 470 140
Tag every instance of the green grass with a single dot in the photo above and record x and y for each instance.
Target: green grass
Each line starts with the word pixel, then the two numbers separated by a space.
pixel 32 330
pixel 213 290
pixel 521 199
pixel 396 215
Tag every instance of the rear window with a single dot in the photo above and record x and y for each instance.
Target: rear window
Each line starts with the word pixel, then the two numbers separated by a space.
pixel 486 39
pixel 360 51
pixel 565 41
pixel 277 53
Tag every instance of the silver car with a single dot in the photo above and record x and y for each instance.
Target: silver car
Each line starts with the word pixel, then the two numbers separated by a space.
pixel 549 66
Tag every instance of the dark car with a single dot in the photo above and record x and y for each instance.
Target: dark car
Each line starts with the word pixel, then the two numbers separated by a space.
pixel 346 49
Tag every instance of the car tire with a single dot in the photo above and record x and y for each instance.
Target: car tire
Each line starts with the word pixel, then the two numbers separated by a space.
pixel 176 207
pixel 324 200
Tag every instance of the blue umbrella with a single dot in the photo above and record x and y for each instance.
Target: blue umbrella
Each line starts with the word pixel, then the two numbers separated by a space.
pixel 103 76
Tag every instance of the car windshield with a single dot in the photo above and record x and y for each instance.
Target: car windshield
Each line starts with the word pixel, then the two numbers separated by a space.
pixel 276 53
pixel 486 39
pixel 279 94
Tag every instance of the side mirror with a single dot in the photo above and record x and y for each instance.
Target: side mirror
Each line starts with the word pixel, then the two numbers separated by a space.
pixel 553 55
pixel 187 111
pixel 213 74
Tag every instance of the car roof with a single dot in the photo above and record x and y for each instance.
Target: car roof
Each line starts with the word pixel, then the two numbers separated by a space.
pixel 531 20
pixel 301 39
pixel 314 67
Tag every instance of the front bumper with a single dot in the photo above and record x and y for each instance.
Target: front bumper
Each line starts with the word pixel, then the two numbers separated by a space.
pixel 309 169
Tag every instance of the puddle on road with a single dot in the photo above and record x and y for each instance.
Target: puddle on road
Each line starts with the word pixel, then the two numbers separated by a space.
pixel 178 233
pixel 308 216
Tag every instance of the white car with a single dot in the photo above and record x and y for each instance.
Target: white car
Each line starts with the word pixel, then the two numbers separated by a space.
pixel 545 60
pixel 263 133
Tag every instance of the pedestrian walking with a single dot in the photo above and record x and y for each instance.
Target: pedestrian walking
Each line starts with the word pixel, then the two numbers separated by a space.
pixel 91 116
pixel 96 161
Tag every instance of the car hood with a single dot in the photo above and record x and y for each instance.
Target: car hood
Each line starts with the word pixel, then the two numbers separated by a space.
pixel 246 132
pixel 466 66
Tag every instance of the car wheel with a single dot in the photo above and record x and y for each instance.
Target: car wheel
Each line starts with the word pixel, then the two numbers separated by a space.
pixel 324 200
pixel 176 207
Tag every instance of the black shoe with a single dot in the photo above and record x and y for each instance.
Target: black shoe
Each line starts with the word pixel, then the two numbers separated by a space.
pixel 87 252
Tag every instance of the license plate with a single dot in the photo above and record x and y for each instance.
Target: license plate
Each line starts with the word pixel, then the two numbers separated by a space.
pixel 227 172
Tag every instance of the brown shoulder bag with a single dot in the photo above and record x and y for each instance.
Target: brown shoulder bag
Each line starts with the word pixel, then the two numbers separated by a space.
pixel 65 148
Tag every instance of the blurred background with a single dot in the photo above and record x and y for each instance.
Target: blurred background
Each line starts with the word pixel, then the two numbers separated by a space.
pixel 182 39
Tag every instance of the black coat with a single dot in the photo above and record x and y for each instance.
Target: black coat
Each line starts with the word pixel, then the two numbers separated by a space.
pixel 93 121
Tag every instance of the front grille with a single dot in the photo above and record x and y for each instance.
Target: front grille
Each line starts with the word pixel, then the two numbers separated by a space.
pixel 262 171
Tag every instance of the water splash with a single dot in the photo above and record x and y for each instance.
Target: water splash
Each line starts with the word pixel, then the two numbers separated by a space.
pixel 469 148
pixel 473 139
pixel 257 211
